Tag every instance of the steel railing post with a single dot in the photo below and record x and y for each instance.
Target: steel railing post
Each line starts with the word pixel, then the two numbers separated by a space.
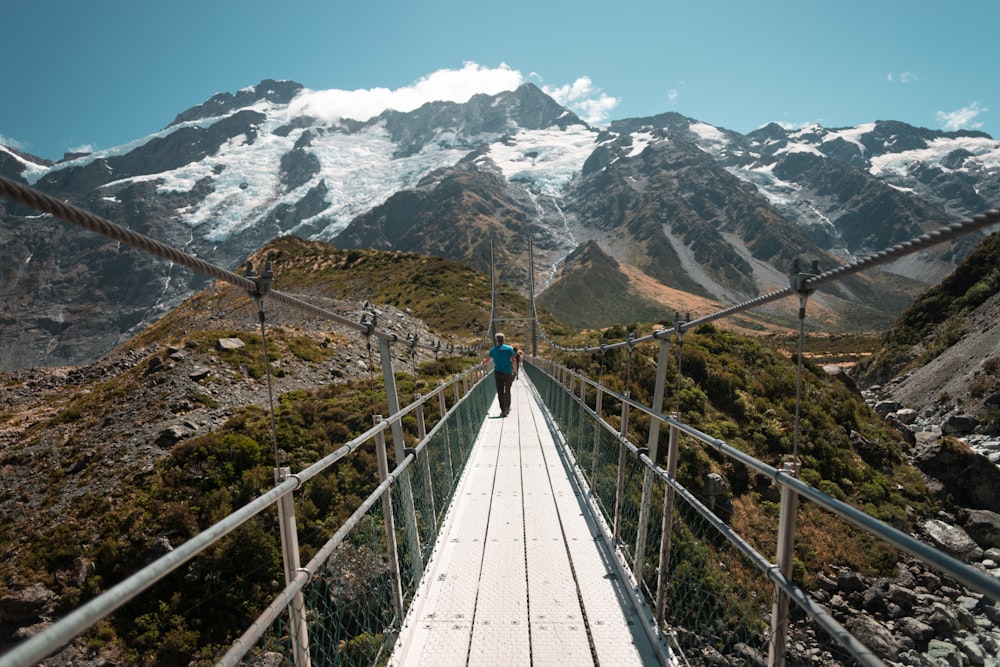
pixel 399 451
pixel 652 443
pixel 428 482
pixel 598 401
pixel 447 435
pixel 667 526
pixel 298 630
pixel 786 554
pixel 583 419
pixel 620 483
pixel 389 520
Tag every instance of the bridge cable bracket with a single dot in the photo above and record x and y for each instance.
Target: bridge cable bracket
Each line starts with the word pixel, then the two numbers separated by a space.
pixel 797 280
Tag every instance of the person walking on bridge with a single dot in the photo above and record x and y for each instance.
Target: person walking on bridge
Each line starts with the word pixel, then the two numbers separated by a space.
pixel 503 372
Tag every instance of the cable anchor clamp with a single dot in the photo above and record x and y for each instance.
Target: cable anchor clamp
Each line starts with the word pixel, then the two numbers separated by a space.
pixel 797 279
pixel 263 281
pixel 369 324
pixel 679 323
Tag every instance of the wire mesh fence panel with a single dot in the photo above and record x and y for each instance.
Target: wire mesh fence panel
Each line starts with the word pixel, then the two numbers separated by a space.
pixel 718 603
pixel 351 611
pixel 413 542
pixel 604 480
pixel 424 509
pixel 653 525
pixel 627 525
pixel 577 429
pixel 354 602
pixel 442 474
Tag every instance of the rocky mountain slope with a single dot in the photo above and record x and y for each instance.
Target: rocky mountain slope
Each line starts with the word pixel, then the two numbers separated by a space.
pixel 674 201
pixel 83 448
pixel 86 454
pixel 941 358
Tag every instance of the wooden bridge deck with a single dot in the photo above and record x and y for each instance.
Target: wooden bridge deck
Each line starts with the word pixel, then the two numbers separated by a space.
pixel 520 574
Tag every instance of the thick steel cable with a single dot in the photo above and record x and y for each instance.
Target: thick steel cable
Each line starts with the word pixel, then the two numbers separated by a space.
pixel 267 370
pixel 943 235
pixel 40 201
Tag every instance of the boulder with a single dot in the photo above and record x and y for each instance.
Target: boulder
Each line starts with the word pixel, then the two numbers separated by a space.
pixel 885 408
pixel 967 476
pixel 229 344
pixel 915 629
pixel 874 635
pixel 155 365
pixel 983 526
pixel 945 652
pixel 173 434
pixel 952 539
pixel 840 375
pixel 26 605
pixel 959 424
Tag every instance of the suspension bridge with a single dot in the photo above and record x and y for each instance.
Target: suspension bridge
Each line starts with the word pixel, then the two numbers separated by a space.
pixel 545 537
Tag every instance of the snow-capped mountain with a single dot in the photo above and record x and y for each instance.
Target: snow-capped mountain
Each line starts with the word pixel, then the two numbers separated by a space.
pixel 697 208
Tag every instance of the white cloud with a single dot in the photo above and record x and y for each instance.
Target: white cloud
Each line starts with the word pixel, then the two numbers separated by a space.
pixel 795 126
pixel 672 95
pixel 448 85
pixel 12 143
pixel 961 119
pixel 590 103
pixel 444 85
pixel 904 77
pixel 83 148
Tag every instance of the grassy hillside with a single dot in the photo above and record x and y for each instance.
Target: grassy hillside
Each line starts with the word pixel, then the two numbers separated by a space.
pixel 591 291
pixel 742 389
pixel 107 465
pixel 100 487
pixel 935 320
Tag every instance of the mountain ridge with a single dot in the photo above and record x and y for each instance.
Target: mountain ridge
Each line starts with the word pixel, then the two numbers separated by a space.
pixel 696 208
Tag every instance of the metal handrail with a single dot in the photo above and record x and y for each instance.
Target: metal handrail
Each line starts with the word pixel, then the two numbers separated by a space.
pixel 44 643
pixel 966 574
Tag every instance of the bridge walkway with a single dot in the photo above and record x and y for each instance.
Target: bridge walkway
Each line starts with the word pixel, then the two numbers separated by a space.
pixel 520 574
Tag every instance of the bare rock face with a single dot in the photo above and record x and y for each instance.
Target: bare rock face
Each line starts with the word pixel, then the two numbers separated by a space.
pixel 983 526
pixel 26 606
pixel 874 635
pixel 229 344
pixel 968 477
pixel 950 538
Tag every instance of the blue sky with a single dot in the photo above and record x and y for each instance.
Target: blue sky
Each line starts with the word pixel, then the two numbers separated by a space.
pixel 92 74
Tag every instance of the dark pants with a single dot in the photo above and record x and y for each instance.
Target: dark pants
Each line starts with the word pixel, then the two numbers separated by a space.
pixel 503 380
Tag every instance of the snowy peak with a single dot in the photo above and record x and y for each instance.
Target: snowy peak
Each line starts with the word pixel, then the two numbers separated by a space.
pixel 482 119
pixel 695 207
pixel 221 104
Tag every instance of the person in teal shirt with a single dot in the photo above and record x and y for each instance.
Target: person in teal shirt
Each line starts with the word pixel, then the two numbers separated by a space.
pixel 503 372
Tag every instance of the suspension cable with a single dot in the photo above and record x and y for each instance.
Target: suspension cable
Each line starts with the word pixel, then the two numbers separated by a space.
pixel 262 285
pixel 798 380
pixel 679 330
pixel 800 283
pixel 28 196
pixel 370 325
pixel 943 235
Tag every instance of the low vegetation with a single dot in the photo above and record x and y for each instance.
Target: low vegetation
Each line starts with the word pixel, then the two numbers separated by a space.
pixel 738 388
pixel 936 319
pixel 742 390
